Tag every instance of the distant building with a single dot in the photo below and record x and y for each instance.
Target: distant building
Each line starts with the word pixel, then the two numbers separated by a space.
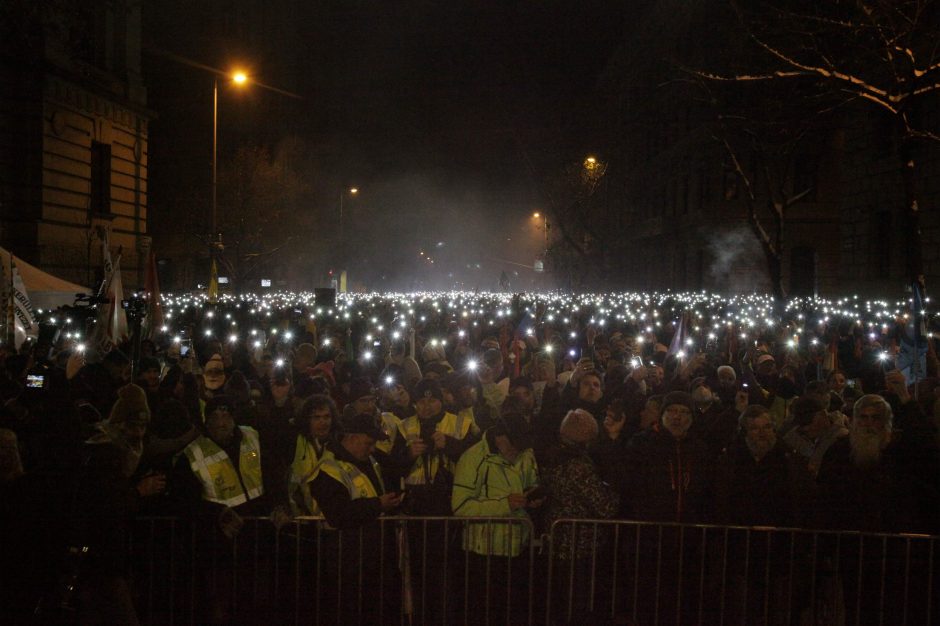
pixel 680 205
pixel 73 138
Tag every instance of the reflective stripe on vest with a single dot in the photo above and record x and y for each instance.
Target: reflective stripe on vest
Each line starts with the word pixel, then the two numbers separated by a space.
pixel 356 482
pixel 217 474
pixel 303 470
pixel 451 425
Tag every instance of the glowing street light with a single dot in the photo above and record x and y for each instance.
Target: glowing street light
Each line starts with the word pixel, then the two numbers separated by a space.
pixel 238 78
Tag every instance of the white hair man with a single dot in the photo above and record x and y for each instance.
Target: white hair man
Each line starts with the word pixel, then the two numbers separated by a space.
pixel 884 475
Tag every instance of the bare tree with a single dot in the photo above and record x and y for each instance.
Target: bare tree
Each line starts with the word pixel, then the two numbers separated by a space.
pixel 885 53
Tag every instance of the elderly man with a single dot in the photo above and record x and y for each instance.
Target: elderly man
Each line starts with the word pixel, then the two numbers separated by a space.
pixel 884 475
pixel 813 431
pixel 756 478
pixel 670 468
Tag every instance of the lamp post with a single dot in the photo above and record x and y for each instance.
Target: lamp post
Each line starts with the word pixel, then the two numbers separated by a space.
pixel 538 215
pixel 238 78
pixel 352 191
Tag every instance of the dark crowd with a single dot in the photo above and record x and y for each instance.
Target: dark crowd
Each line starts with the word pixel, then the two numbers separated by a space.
pixel 523 410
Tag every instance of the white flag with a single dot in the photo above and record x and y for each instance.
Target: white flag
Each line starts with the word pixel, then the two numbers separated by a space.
pixel 111 325
pixel 25 318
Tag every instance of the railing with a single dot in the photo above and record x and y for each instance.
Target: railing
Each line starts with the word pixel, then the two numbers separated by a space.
pixel 414 570
pixel 700 574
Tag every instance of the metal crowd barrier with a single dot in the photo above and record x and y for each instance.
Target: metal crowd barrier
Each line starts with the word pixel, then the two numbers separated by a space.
pixel 651 574
pixel 414 570
pixel 399 570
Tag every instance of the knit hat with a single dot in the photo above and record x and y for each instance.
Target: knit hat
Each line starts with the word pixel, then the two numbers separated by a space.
pixel 363 423
pixel 677 397
pixel 131 406
pixel 578 427
pixel 428 388
pixel 219 402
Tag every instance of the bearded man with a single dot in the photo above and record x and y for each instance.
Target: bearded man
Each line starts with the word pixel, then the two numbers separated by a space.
pixel 756 482
pixel 884 475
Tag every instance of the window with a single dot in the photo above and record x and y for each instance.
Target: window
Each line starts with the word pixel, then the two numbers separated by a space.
pixel 100 178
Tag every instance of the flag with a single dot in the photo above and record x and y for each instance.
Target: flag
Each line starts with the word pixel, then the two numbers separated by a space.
pixel 213 283
pixel 678 339
pixel 154 309
pixel 111 325
pixel 25 324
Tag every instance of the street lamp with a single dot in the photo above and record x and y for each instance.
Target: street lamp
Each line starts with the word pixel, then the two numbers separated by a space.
pixel 238 78
pixel 352 191
pixel 538 215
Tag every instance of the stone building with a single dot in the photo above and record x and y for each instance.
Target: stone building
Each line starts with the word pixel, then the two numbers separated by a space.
pixel 73 138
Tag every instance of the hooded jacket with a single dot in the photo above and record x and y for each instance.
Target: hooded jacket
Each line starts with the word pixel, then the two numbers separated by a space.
pixel 482 484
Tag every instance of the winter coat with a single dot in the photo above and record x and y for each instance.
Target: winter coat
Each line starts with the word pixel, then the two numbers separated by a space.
pixel 482 484
pixel 670 479
pixel 577 491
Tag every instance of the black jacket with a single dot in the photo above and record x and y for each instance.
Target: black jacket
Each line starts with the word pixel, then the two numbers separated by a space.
pixel 669 479
pixel 340 510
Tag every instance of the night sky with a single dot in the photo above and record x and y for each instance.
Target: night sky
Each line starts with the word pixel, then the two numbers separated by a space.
pixel 448 115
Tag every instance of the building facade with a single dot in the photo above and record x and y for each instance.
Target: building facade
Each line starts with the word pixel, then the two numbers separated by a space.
pixel 73 151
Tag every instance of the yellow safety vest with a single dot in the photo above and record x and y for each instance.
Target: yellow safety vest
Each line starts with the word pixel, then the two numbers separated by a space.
pixel 456 426
pixel 391 424
pixel 356 482
pixel 303 470
pixel 214 469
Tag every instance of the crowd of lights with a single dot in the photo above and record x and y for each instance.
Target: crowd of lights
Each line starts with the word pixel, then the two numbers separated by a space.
pixel 644 317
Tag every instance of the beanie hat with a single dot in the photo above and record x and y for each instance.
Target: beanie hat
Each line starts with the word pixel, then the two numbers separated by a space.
pixel 428 388
pixel 218 402
pixel 578 427
pixel 131 406
pixel 677 397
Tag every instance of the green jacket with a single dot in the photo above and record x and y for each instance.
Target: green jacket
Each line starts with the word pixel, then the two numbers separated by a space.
pixel 482 484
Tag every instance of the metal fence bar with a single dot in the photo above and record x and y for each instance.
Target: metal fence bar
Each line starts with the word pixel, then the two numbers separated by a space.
pixel 701 575
pixel 172 577
pixel 809 581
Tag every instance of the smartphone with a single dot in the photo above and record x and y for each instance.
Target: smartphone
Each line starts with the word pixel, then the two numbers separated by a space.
pixel 743 385
pixel 186 347
pixel 35 381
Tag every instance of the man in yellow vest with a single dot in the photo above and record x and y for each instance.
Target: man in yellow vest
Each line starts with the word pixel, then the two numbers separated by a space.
pixel 390 451
pixel 361 578
pixel 219 478
pixel 435 438
pixel 317 420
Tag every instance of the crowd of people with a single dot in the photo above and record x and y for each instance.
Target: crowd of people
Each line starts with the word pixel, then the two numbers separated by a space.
pixel 520 410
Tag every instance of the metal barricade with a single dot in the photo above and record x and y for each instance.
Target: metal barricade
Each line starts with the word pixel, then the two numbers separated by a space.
pixel 396 570
pixel 603 571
